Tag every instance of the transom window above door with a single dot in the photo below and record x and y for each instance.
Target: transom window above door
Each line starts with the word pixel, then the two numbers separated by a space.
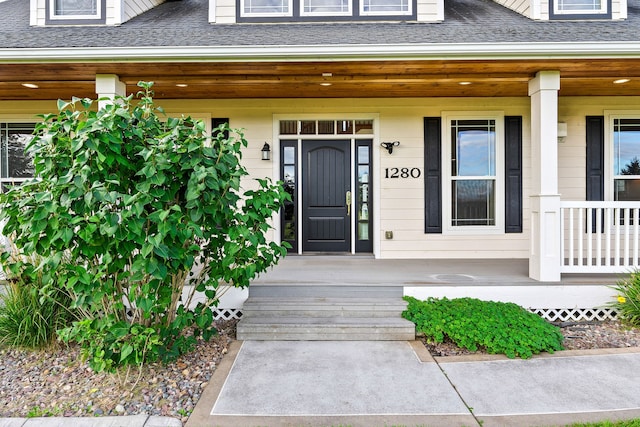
pixel 314 10
pixel 326 127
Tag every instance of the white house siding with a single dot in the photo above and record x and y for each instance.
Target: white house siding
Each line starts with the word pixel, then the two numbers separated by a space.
pixel 539 9
pixel 38 13
pixel 572 152
pixel 430 10
pixel 133 8
pixel 225 11
pixel 619 9
pixel 523 7
pixel 399 203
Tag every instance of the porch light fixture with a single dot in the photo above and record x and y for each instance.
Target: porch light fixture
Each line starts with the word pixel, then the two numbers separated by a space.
pixel 181 85
pixel 621 81
pixel 30 85
pixel 266 152
pixel 389 145
pixel 464 83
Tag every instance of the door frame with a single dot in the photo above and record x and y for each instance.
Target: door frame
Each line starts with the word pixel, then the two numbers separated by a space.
pixel 375 161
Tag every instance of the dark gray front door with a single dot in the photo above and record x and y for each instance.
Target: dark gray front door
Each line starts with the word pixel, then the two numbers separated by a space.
pixel 327 180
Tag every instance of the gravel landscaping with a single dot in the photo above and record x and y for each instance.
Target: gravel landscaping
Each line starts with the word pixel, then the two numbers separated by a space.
pixel 56 382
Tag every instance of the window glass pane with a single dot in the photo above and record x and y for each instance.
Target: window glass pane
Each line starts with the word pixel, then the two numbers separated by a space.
pixel 307 127
pixel 266 6
pixel 364 127
pixel 473 202
pixel 76 7
pixel 627 190
pixel 290 174
pixel 385 5
pixel 363 173
pixel 579 5
pixel 288 127
pixel 626 147
pixel 473 148
pixel 15 163
pixel 326 127
pixel 345 127
pixel 289 155
pixel 326 6
pixel 363 154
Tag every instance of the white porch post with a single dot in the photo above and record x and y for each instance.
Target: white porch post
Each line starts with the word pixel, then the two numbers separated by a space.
pixel 109 86
pixel 544 257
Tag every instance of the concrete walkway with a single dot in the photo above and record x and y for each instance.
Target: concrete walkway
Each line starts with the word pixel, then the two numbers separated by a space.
pixel 385 383
pixel 126 421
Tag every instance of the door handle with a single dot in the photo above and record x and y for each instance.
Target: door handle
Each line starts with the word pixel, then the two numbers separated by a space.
pixel 348 201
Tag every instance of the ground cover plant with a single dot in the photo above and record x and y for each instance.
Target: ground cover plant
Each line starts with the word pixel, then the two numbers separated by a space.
pixel 30 312
pixel 132 213
pixel 494 326
pixel 627 304
pixel 624 423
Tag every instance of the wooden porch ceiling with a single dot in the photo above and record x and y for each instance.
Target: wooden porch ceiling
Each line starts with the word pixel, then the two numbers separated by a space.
pixel 368 79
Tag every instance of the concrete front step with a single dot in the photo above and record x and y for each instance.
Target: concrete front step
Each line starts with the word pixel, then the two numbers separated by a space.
pixel 325 329
pixel 324 291
pixel 323 307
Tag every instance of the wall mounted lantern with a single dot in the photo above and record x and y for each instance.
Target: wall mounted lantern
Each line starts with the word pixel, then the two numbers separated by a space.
pixel 266 152
pixel 389 145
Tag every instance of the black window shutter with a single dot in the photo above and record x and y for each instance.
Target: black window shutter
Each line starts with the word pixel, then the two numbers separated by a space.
pixel 433 175
pixel 217 121
pixel 513 174
pixel 595 158
pixel 595 164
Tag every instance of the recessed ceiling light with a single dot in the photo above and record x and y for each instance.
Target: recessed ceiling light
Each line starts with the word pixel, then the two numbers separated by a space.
pixel 620 81
pixel 325 84
pixel 182 84
pixel 327 74
pixel 464 83
pixel 30 85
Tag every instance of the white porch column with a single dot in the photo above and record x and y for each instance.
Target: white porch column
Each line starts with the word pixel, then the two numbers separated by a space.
pixel 544 256
pixel 109 86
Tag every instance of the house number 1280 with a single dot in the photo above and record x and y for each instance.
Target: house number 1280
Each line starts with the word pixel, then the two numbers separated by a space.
pixel 402 173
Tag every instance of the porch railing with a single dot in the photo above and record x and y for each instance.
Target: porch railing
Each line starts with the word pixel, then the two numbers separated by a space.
pixel 600 237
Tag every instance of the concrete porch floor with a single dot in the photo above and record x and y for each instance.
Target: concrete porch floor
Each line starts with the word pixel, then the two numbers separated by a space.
pixel 365 270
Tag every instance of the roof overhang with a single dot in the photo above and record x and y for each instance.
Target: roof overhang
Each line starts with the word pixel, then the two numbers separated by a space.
pixel 320 71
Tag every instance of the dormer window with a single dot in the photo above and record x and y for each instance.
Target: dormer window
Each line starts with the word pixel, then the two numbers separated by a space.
pixel 317 10
pixel 75 11
pixel 580 9
pixel 79 8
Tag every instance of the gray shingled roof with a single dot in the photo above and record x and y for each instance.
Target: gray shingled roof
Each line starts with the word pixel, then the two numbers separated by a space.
pixel 184 23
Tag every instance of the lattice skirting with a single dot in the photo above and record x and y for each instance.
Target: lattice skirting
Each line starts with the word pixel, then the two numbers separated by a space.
pixel 227 313
pixel 575 314
pixel 550 314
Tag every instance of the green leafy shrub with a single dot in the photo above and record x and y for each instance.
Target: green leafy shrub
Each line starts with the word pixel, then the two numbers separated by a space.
pixel 30 312
pixel 627 303
pixel 495 326
pixel 129 207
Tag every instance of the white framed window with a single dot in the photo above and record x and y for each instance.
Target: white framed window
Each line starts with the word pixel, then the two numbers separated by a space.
pixel 15 165
pixel 622 157
pixel 325 8
pixel 580 7
pixel 260 8
pixel 473 173
pixel 75 9
pixel 385 7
